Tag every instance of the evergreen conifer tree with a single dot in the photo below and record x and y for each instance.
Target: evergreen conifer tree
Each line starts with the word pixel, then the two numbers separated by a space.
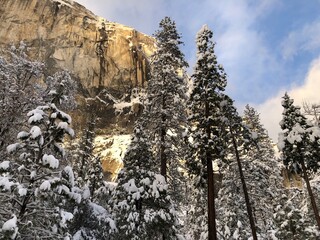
pixel 297 145
pixel 291 218
pixel 262 173
pixel 166 96
pixel 32 176
pixel 141 205
pixel 86 165
pixel 19 91
pixel 32 179
pixel 262 177
pixel 207 145
pixel 264 149
pixel 240 139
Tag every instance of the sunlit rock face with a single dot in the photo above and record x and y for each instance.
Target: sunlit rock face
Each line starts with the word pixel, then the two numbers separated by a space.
pixel 108 60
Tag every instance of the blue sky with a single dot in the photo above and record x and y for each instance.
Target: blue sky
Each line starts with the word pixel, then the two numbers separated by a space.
pixel 266 46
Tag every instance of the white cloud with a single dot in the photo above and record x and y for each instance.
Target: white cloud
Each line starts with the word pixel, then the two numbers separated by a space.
pixel 304 39
pixel 271 110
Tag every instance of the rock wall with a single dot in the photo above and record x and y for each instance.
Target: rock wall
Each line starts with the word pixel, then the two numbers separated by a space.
pixel 66 35
pixel 108 60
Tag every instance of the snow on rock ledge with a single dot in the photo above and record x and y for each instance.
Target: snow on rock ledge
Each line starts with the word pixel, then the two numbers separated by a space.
pixel 112 150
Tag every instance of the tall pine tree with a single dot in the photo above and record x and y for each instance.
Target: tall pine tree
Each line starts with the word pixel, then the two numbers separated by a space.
pixel 166 96
pixel 209 81
pixel 262 173
pixel 240 139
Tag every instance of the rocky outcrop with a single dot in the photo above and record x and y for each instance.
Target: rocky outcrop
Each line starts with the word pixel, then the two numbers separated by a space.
pixel 108 60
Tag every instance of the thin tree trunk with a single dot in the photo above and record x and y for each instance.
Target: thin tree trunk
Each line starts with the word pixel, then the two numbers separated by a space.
pixel 313 202
pixel 163 159
pixel 212 229
pixel 211 204
pixel 245 190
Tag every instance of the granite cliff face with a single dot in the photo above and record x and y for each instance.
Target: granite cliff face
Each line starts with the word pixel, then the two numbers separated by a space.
pixel 108 60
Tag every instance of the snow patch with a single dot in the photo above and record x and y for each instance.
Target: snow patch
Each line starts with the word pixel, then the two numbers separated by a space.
pixel 112 146
pixel 4 165
pixel 65 217
pixel 5 183
pixel 35 132
pixel 35 118
pixel 11 226
pixel 314 133
pixel 65 126
pixel 22 192
pixel 22 135
pixel 66 117
pixel 68 3
pixel 13 147
pixel 46 185
pixel 159 185
pixel 50 160
pixel 295 135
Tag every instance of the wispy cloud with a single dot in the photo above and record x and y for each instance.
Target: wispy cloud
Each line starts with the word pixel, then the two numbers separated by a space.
pixel 304 39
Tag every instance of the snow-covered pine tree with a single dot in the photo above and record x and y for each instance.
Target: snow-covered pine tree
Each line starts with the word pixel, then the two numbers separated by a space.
pixel 291 220
pixel 86 165
pixel 264 149
pixel 83 153
pixel 263 174
pixel 291 117
pixel 35 189
pixel 61 90
pixel 32 183
pixel 19 91
pixel 298 142
pixel 209 81
pixel 166 96
pixel 92 219
pixel 240 139
pixel 141 205
pixel 232 218
pixel 96 178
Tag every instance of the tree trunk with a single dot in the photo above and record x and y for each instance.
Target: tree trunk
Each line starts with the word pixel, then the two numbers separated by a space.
pixel 313 202
pixel 245 190
pixel 212 229
pixel 163 159
pixel 211 204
